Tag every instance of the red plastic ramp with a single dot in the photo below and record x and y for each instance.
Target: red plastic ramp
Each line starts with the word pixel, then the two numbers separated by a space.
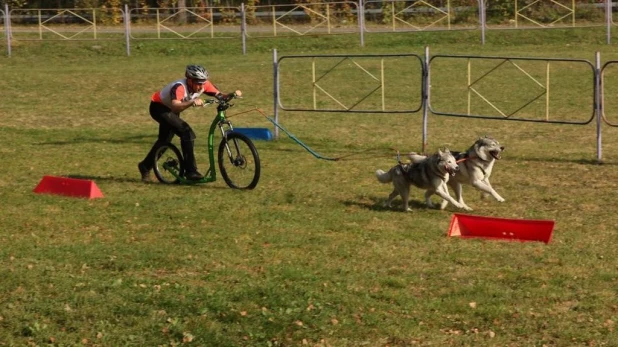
pixel 69 187
pixel 501 228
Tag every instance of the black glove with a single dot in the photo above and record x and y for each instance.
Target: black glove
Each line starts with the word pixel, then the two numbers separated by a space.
pixel 226 97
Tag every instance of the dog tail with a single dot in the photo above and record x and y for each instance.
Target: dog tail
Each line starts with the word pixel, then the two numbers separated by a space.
pixel 415 157
pixel 384 177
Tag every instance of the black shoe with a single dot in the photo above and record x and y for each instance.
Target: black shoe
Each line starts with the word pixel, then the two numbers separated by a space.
pixel 194 176
pixel 144 171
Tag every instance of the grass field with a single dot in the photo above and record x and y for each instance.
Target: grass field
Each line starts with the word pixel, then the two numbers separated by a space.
pixel 311 256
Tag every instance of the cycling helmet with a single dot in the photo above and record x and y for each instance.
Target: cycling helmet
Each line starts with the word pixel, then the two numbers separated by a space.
pixel 196 72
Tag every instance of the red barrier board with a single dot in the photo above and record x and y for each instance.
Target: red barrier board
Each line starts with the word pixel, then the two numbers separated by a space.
pixel 69 187
pixel 463 225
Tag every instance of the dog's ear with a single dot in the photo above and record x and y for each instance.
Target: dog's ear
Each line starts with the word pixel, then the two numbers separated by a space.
pixel 480 152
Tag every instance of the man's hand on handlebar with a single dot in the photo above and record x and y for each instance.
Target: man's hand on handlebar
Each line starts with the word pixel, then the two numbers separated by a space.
pixel 230 96
pixel 197 102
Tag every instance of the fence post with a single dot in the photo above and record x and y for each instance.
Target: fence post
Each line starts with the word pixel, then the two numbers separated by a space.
pixel 127 30
pixel 394 23
pixel 94 23
pixel 482 19
pixel 608 19
pixel 159 24
pixel 7 28
pixel 361 22
pixel 40 25
pixel 276 91
pixel 243 28
pixel 598 107
pixel 274 20
pixel 425 97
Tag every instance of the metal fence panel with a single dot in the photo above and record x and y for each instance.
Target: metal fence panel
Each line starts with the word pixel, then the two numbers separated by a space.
pixel 609 75
pixel 377 83
pixel 545 14
pixel 67 24
pixel 302 19
pixel 187 23
pixel 422 15
pixel 527 89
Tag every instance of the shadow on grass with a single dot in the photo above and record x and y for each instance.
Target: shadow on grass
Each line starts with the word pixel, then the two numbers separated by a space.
pixel 108 178
pixel 377 204
pixel 136 180
pixel 130 139
pixel 561 160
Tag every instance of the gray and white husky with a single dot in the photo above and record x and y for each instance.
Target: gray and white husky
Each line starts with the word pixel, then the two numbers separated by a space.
pixel 430 173
pixel 475 166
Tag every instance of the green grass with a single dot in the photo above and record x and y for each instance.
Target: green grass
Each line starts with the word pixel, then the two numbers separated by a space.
pixel 310 257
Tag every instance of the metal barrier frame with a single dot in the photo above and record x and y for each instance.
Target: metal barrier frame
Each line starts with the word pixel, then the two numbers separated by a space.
pixel 398 18
pixel 278 12
pixel 317 87
pixel 205 22
pixel 92 25
pixel 360 12
pixel 602 96
pixel 519 14
pixel 512 60
pixel 596 100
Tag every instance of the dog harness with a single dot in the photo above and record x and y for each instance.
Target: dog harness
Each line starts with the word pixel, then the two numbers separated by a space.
pixel 461 157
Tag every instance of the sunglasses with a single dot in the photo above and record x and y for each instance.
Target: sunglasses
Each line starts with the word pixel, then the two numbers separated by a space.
pixel 199 82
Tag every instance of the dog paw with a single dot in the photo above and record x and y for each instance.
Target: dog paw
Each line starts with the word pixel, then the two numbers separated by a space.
pixel 500 199
pixel 463 207
pixel 429 203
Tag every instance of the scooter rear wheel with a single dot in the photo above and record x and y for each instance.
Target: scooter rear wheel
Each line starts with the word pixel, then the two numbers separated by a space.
pixel 168 166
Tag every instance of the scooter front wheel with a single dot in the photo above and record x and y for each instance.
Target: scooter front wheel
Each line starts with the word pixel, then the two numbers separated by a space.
pixel 239 162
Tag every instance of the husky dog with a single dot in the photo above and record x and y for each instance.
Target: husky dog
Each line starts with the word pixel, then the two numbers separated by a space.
pixel 430 173
pixel 475 166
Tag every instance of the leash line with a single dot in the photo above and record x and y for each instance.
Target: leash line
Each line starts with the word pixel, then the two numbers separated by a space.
pixel 290 135
pixel 306 147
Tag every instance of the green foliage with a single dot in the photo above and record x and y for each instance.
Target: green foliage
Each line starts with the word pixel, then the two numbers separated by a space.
pixel 500 9
pixel 113 15
pixel 250 10
pixel 14 3
pixel 87 3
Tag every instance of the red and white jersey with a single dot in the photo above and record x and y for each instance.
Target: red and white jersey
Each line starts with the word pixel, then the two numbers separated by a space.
pixel 179 90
